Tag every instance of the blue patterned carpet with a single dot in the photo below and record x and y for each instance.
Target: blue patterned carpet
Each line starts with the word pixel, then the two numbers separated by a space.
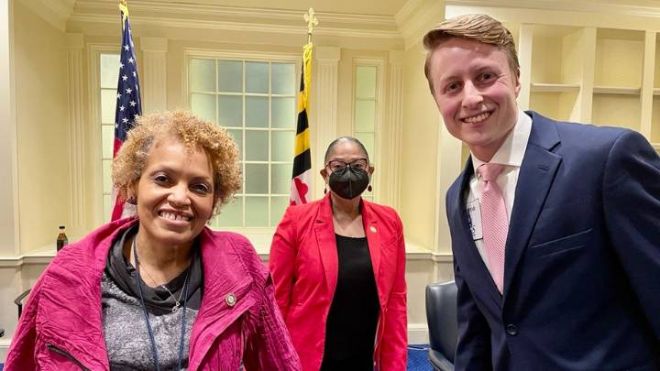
pixel 417 358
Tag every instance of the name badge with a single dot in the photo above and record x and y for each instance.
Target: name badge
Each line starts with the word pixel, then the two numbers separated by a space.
pixel 474 213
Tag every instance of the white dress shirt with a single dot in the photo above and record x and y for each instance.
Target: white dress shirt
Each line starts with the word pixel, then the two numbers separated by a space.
pixel 511 155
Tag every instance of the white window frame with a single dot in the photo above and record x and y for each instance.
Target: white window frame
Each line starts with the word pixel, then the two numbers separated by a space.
pixel 261 237
pixel 378 157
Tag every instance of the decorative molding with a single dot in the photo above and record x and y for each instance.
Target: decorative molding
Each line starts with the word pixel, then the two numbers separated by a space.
pixel 416 17
pixel 324 104
pixel 617 7
pixel 154 81
pixel 77 132
pixel 9 190
pixel 55 12
pixel 217 17
pixel 395 127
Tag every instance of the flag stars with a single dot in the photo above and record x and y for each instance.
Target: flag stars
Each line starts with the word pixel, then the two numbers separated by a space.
pixel 130 60
pixel 121 65
pixel 129 90
pixel 126 47
pixel 132 103
pixel 118 95
pixel 124 77
pixel 121 108
pixel 124 120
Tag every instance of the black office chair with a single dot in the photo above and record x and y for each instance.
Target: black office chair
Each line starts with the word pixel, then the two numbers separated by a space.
pixel 19 301
pixel 443 325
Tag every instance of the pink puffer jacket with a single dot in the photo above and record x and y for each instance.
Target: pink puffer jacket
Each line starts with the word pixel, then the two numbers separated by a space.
pixel 62 329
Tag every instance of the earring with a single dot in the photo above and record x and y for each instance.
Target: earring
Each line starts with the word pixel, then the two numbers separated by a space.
pixel 369 188
pixel 131 200
pixel 325 190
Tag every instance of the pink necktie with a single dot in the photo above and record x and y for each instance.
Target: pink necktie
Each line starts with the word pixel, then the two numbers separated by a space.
pixel 494 221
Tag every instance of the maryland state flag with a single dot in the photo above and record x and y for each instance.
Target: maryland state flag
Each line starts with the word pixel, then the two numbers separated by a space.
pixel 302 162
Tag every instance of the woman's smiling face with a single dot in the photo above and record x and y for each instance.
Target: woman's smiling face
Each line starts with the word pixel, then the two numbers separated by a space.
pixel 175 194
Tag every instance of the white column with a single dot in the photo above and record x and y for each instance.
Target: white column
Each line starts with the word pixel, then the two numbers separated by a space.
pixel 77 133
pixel 648 77
pixel 393 131
pixel 154 74
pixel 525 60
pixel 324 104
pixel 9 233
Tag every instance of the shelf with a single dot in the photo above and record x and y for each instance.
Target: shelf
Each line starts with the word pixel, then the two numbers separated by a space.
pixel 539 87
pixel 656 146
pixel 616 90
pixel 656 91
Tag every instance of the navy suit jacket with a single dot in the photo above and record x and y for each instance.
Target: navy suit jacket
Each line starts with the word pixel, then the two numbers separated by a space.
pixel 582 265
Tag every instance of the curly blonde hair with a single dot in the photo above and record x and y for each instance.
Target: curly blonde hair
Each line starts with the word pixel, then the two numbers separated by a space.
pixel 476 27
pixel 193 133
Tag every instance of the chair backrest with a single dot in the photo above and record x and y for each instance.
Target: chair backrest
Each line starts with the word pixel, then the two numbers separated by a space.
pixel 441 317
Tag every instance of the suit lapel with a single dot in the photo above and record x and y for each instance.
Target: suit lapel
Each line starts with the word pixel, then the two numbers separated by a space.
pixel 537 174
pixel 326 243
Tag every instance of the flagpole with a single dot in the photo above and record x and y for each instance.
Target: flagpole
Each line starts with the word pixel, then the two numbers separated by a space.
pixel 301 179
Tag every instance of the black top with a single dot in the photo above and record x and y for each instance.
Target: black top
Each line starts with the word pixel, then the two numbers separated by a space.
pixel 157 299
pixel 353 316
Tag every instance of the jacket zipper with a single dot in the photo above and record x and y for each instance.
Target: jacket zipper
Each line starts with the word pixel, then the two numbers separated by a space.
pixel 67 355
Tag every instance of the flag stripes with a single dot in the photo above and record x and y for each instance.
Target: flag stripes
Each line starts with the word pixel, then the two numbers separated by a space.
pixel 302 161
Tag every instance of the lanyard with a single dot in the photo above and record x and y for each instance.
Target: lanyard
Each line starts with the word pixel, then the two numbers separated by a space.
pixel 154 351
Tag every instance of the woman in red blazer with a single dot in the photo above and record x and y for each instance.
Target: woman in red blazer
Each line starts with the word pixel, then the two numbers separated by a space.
pixel 338 265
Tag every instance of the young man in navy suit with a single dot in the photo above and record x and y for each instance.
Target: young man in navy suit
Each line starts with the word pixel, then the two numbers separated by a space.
pixel 557 253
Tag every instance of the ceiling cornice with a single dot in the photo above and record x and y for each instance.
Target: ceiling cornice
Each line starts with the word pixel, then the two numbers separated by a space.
pixel 202 16
pixel 638 8
pixel 55 12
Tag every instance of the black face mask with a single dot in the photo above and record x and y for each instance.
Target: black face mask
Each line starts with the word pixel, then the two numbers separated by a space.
pixel 348 183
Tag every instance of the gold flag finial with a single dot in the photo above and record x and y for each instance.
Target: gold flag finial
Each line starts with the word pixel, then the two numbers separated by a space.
pixel 310 18
pixel 123 7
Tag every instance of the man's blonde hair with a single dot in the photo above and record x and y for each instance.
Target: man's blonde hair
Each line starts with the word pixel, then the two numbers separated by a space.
pixel 477 27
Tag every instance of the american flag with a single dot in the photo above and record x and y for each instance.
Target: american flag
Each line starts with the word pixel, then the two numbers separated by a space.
pixel 128 101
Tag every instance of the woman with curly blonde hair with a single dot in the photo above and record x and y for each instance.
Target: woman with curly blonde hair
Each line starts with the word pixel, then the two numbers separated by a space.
pixel 160 291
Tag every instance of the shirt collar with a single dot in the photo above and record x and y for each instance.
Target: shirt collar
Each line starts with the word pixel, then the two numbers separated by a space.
pixel 512 151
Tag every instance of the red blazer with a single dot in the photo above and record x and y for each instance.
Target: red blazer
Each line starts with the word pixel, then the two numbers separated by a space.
pixel 303 262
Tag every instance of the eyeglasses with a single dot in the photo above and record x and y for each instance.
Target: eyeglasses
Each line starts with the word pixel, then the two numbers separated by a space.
pixel 339 165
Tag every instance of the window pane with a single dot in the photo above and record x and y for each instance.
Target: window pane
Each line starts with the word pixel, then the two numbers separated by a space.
pixel 107 140
pixel 256 178
pixel 368 140
pixel 365 82
pixel 284 112
pixel 256 143
pixel 365 115
pixel 256 112
pixel 231 110
pixel 283 78
pixel 237 135
pixel 256 77
pixel 256 211
pixel 202 75
pixel 231 214
pixel 109 71
pixel 203 105
pixel 107 177
pixel 277 207
pixel 108 106
pixel 282 149
pixel 230 76
pixel 281 178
